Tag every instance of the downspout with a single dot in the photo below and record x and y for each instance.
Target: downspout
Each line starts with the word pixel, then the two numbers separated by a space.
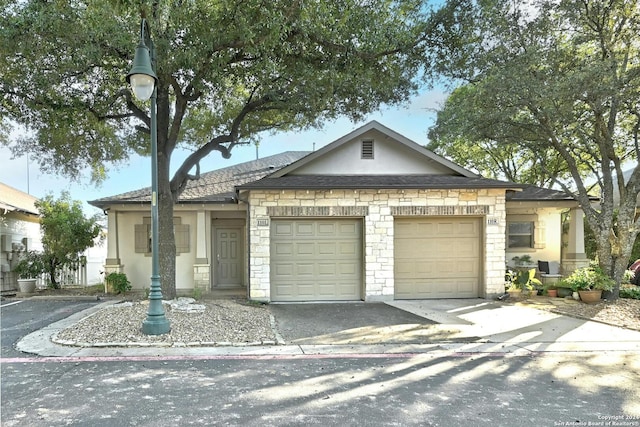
pixel 248 240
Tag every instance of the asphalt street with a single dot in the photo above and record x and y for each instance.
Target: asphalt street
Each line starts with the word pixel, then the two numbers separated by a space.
pixel 481 390
pixel 21 317
pixel 404 389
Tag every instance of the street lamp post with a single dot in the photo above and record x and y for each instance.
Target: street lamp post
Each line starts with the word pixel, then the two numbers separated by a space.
pixel 143 81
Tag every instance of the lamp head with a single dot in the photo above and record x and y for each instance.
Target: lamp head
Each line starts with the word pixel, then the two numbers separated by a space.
pixel 142 78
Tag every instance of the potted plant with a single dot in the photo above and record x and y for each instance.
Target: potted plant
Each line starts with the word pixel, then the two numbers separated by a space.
pixel 589 282
pixel 29 268
pixel 551 290
pixel 522 260
pixel 522 281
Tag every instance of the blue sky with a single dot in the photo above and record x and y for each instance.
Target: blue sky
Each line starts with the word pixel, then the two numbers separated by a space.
pixel 412 120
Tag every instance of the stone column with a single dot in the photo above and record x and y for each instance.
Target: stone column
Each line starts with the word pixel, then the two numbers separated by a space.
pixel 575 256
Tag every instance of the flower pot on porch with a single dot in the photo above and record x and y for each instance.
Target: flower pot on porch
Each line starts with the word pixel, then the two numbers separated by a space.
pixel 590 297
pixel 553 293
pixel 27 286
pixel 564 292
pixel 515 293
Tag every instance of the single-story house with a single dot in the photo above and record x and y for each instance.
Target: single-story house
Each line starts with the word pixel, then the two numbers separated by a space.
pixel 372 216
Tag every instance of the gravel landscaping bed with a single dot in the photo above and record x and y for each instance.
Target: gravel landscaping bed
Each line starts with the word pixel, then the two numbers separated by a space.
pixel 622 312
pixel 220 322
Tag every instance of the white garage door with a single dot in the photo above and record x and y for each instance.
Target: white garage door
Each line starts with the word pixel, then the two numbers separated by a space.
pixel 316 260
pixel 437 258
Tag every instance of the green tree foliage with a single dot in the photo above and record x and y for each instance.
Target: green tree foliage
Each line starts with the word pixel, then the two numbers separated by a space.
pixel 66 233
pixel 549 94
pixel 228 70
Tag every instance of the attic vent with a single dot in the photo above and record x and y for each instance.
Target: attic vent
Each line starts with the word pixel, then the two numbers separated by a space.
pixel 367 149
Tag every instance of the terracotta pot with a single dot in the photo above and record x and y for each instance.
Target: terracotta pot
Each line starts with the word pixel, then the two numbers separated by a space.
pixel 590 297
pixel 515 293
pixel 553 293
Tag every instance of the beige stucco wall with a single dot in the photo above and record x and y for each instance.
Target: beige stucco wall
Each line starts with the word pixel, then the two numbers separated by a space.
pixel 137 266
pixel 378 230
pixel 547 233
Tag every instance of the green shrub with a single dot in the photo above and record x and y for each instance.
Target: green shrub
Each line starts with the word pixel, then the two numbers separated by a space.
pixel 588 278
pixel 30 266
pixel 631 293
pixel 118 282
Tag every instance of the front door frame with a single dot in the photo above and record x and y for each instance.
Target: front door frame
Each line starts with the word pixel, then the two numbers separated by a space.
pixel 221 224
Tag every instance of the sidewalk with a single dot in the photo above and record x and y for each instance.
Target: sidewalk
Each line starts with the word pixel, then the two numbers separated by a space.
pixel 463 327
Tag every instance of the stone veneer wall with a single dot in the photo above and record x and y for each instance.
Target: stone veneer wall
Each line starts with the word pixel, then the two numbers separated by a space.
pixel 201 276
pixel 377 208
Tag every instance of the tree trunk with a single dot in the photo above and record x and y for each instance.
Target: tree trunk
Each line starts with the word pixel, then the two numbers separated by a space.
pixel 613 254
pixel 167 241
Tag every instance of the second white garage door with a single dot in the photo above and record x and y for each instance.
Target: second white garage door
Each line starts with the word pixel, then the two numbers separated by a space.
pixel 437 257
pixel 316 260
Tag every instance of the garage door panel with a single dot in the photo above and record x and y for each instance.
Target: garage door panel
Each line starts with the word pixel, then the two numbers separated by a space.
pixel 327 260
pixel 349 248
pixel 304 229
pixel 284 270
pixel 283 249
pixel 351 230
pixel 437 257
pixel 304 249
pixel 445 229
pixel 467 229
pixel 326 248
pixel 283 229
pixel 468 268
pixel 326 269
pixel 303 269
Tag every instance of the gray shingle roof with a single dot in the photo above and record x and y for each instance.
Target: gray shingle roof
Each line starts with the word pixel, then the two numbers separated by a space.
pixel 213 187
pixel 219 186
pixel 300 182
pixel 538 194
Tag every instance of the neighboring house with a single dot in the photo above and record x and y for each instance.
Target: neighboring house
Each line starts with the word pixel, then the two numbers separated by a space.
pixel 19 231
pixel 372 216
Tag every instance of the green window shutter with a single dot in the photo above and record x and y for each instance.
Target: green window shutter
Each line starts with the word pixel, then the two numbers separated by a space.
pixel 181 232
pixel 142 239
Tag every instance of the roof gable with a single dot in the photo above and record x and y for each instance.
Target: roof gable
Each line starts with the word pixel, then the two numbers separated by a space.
pixel 392 154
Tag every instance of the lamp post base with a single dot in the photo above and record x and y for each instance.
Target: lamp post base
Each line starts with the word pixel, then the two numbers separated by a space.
pixel 159 326
pixel 156 323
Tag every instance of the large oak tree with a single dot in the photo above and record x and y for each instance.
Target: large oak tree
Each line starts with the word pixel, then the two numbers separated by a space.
pixel 228 70
pixel 549 93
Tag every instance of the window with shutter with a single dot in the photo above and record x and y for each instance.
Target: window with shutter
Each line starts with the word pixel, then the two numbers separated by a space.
pixel 181 232
pixel 143 238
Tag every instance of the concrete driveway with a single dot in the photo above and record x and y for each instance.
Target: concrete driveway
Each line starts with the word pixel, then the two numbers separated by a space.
pixel 350 323
pixel 474 325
